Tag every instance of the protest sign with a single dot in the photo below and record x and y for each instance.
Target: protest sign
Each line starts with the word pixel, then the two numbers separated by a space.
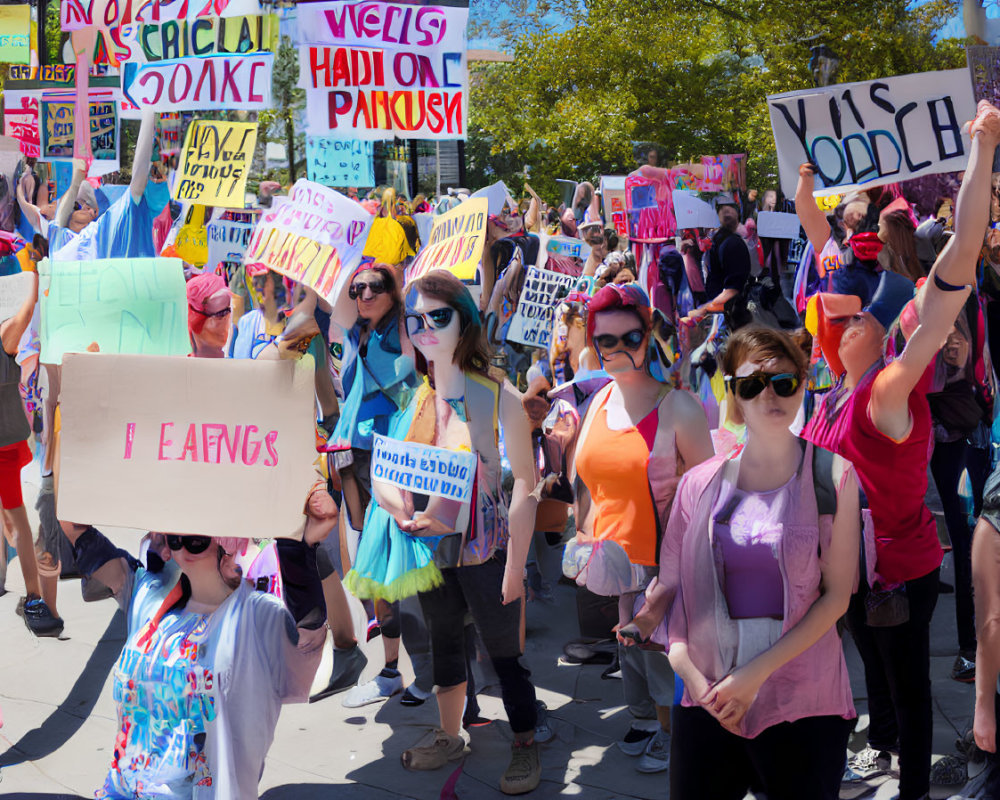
pixel 873 132
pixel 536 307
pixel 139 432
pixel 430 470
pixel 227 242
pixel 375 69
pixel 613 203
pixel 78 14
pixel 340 162
pixel 15 40
pixel 14 290
pixel 315 236
pixel 984 68
pixel 200 83
pixel 777 225
pixel 20 120
pixel 496 194
pixel 690 212
pixel 214 163
pixel 58 128
pixel 125 305
pixel 456 242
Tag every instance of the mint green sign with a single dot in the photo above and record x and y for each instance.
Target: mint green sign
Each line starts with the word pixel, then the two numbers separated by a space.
pixel 124 305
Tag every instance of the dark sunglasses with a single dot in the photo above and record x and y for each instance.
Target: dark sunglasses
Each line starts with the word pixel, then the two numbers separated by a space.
pixel 216 315
pixel 193 544
pixel 357 290
pixel 437 319
pixel 785 384
pixel 632 340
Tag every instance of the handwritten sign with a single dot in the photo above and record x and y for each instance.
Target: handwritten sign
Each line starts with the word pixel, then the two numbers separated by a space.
pixel 15 44
pixel 423 468
pixel 77 14
pixel 777 225
pixel 214 163
pixel 20 120
pixel 536 307
pixel 375 69
pixel 340 162
pixel 456 242
pixel 564 254
pixel 315 237
pixel 14 290
pixel 198 83
pixel 125 305
pixel 58 126
pixel 227 242
pixel 139 432
pixel 691 212
pixel 873 132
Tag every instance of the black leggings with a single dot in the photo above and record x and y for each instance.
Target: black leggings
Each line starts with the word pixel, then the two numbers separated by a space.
pixel 788 761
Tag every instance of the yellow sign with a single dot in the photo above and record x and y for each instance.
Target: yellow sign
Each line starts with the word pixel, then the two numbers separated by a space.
pixel 15 34
pixel 456 242
pixel 215 160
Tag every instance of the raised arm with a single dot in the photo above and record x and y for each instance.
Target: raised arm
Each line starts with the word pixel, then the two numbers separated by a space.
pixel 143 152
pixel 812 218
pixel 29 209
pixel 11 330
pixel 943 295
pixel 68 202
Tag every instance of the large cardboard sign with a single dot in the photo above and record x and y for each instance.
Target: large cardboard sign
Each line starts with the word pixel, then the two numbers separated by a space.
pixel 873 132
pixel 456 242
pixel 340 162
pixel 214 163
pixel 315 237
pixel 165 444
pixel 536 307
pixel 58 127
pixel 374 69
pixel 199 83
pixel 125 305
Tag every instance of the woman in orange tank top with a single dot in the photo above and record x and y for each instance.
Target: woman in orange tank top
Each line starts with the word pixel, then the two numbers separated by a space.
pixel 636 440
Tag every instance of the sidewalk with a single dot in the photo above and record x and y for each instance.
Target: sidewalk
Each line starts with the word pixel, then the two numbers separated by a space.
pixel 59 721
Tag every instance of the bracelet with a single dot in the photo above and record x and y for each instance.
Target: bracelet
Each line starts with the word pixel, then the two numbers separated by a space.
pixel 944 286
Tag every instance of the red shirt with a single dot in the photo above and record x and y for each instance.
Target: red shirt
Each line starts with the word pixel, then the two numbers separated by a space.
pixel 893 476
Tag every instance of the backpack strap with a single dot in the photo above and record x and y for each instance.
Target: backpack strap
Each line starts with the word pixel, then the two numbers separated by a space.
pixel 823 483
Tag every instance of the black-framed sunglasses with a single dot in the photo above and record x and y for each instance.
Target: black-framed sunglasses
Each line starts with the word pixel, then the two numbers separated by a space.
pixel 437 319
pixel 215 314
pixel 785 384
pixel 631 340
pixel 193 544
pixel 357 290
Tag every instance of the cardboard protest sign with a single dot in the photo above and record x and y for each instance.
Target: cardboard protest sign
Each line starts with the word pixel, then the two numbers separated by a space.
pixel 125 305
pixel 227 242
pixel 58 127
pixel 340 162
pixel 873 132
pixel 14 290
pixel 163 444
pixel 565 254
pixel 315 237
pixel 375 69
pixel 200 83
pixel 214 163
pixel 20 120
pixel 77 14
pixel 777 225
pixel 446 475
pixel 690 212
pixel 15 30
pixel 536 307
pixel 613 203
pixel 456 242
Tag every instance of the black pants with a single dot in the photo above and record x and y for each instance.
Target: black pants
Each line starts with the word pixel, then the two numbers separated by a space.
pixel 947 463
pixel 897 675
pixel 478 589
pixel 801 760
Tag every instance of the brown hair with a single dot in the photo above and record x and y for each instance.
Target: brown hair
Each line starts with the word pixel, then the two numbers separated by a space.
pixel 473 351
pixel 899 237
pixel 754 342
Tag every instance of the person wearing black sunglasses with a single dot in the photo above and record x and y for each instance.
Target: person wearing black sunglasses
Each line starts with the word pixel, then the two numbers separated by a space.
pixel 757 565
pixel 201 641
pixel 637 437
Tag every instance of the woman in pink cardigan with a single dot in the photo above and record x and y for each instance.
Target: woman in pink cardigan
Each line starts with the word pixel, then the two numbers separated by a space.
pixel 757 564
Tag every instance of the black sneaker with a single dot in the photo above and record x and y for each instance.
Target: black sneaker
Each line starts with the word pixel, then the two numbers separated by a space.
pixel 347 668
pixel 39 619
pixel 963 670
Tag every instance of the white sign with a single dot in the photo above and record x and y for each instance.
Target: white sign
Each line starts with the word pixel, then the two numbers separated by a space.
pixel 692 212
pixel 14 290
pixel 873 132
pixel 777 225
pixel 536 307
pixel 227 241
pixel 424 469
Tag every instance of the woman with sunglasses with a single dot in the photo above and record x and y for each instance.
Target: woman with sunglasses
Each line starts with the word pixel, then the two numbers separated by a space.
pixel 209 315
pixel 757 564
pixel 208 661
pixel 482 567
pixel 636 439
pixel 878 417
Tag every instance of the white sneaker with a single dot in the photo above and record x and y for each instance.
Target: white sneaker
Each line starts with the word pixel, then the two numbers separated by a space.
pixel 657 755
pixel 377 689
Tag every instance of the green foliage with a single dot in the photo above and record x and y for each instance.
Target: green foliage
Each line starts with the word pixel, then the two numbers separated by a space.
pixel 690 75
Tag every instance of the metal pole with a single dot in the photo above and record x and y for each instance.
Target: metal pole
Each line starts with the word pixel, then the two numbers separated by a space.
pixel 43 48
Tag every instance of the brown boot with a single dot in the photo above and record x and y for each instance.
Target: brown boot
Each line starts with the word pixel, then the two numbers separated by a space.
pixel 435 750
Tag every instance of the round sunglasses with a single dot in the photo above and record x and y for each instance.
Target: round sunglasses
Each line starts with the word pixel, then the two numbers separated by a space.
pixel 357 290
pixel 193 544
pixel 631 340
pixel 785 384
pixel 438 319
